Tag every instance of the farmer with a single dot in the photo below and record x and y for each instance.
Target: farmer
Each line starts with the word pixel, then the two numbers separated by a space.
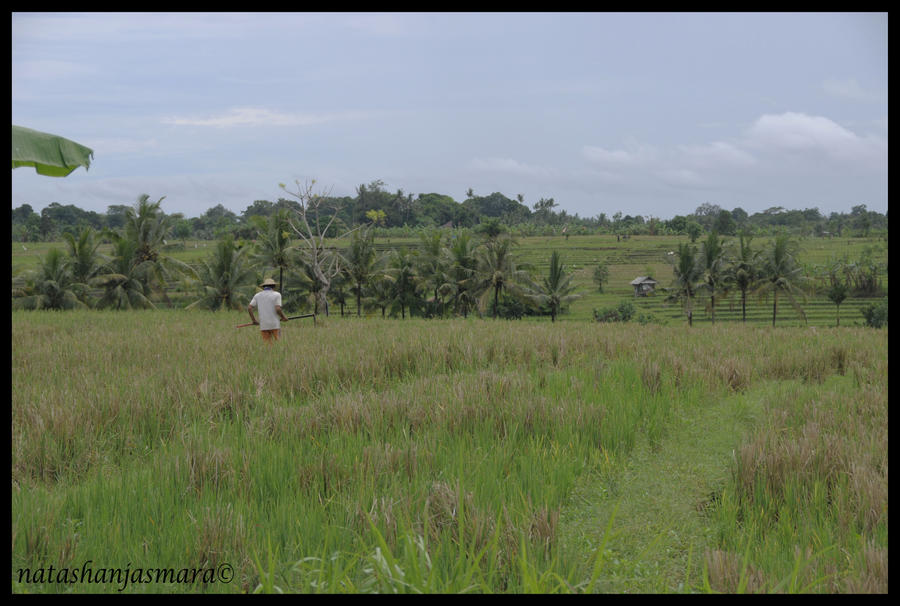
pixel 268 303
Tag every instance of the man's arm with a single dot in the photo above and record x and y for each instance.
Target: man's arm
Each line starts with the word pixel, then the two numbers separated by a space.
pixel 278 309
pixel 252 317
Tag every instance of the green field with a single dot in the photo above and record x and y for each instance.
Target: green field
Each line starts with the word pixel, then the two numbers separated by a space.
pixel 168 451
pixel 626 260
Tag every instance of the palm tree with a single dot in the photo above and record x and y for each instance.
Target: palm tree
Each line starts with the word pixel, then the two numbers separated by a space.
pixel 497 271
pixel 50 286
pixel 688 272
pixel 338 290
pixel 432 266
pixel 360 264
pixel 461 265
pixel 381 288
pixel 555 290
pixel 491 228
pixel 148 227
pixel 273 241
pixel 405 279
pixel 309 284
pixel 780 273
pixel 226 278
pixel 122 286
pixel 745 272
pixel 84 260
pixel 715 278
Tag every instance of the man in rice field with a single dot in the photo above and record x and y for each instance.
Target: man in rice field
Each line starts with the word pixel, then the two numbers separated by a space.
pixel 268 303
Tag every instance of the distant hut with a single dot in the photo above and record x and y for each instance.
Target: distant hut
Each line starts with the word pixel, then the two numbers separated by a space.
pixel 643 285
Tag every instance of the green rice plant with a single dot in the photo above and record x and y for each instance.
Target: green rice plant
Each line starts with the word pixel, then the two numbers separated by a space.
pixel 815 477
pixel 355 450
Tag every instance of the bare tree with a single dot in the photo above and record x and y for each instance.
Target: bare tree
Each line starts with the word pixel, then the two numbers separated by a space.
pixel 316 209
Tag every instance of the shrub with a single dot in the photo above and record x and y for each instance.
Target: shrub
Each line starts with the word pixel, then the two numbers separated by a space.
pixel 876 314
pixel 623 312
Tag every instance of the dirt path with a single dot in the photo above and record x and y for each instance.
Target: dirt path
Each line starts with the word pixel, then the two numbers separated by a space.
pixel 658 499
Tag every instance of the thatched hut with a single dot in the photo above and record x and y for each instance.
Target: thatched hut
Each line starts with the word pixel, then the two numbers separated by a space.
pixel 643 285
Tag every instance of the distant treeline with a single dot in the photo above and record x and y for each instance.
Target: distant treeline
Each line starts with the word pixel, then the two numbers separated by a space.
pixel 399 213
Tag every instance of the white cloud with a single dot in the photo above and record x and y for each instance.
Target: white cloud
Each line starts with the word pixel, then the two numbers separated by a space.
pixel 634 155
pixel 680 165
pixel 605 157
pixel 813 136
pixel 793 149
pixel 681 177
pixel 794 131
pixel 716 155
pixel 510 166
pixel 256 116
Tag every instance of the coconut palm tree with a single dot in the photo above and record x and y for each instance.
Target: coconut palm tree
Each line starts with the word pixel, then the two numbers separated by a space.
pixel 274 245
pixel 497 271
pixel 405 279
pixel 715 276
pixel 491 228
pixel 120 282
pixel 781 274
pixel 148 227
pixel 338 290
pixel 688 272
pixel 307 284
pixel 555 290
pixel 745 270
pixel 461 265
pixel 431 265
pixel 381 288
pixel 84 259
pixel 226 278
pixel 360 264
pixel 50 286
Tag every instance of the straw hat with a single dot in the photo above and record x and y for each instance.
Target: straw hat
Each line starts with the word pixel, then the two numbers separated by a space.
pixel 268 282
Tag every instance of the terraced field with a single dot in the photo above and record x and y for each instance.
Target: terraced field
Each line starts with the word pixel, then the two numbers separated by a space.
pixel 626 260
pixel 646 255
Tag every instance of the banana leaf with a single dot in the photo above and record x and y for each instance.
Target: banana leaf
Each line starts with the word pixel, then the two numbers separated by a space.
pixel 50 155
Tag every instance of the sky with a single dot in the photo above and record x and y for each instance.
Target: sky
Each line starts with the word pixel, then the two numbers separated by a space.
pixel 650 114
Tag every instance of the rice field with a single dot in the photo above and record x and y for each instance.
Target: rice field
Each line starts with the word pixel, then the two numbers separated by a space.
pixel 626 260
pixel 167 451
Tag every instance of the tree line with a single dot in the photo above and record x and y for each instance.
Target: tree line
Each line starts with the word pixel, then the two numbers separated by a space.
pixel 449 272
pixel 401 213
pixel 467 271
pixel 719 267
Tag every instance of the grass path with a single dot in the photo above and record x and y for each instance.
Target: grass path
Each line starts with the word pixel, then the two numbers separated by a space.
pixel 656 501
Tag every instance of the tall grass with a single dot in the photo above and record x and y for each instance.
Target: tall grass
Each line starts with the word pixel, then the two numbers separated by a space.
pixel 809 498
pixel 370 455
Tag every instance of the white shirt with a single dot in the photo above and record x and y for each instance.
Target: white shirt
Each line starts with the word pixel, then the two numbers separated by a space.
pixel 265 301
